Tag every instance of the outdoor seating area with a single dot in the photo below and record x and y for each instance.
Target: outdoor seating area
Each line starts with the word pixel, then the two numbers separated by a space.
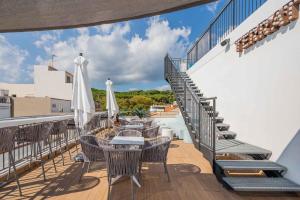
pixel 188 176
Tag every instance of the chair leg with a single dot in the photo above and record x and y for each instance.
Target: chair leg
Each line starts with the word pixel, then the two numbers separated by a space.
pixel 109 186
pixel 88 168
pixel 41 158
pixel 51 154
pixel 12 161
pixel 9 166
pixel 132 188
pixel 82 171
pixel 61 152
pixel 67 144
pixel 140 170
pixel 166 171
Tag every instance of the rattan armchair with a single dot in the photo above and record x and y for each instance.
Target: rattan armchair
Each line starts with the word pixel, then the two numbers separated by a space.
pixel 155 151
pixel 123 122
pixel 7 136
pixel 122 162
pixel 151 132
pixel 59 134
pixel 130 133
pixel 92 150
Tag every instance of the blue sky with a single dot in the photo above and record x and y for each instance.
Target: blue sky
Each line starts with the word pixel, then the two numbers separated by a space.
pixel 130 53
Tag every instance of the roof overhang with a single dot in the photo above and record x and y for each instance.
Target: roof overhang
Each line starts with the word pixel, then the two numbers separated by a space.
pixel 30 15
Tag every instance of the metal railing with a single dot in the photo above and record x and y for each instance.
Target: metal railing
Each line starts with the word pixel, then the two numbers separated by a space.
pixel 231 16
pixel 200 120
pixel 23 151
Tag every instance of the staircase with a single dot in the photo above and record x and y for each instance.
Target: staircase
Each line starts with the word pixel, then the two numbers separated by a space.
pixel 238 165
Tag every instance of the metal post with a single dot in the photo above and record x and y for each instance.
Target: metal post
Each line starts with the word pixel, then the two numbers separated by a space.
pixel 199 126
pixel 214 129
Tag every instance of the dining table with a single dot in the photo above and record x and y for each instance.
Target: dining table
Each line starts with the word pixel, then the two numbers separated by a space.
pixel 127 140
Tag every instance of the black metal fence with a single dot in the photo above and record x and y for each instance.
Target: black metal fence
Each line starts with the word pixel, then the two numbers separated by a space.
pixel 200 122
pixel 231 16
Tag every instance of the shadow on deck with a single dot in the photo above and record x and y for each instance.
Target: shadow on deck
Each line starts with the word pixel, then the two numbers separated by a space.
pixel 191 178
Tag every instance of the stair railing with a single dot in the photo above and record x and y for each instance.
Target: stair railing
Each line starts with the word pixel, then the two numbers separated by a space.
pixel 200 120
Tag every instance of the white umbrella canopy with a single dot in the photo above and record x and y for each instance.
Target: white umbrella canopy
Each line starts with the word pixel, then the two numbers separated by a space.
pixel 82 99
pixel 111 103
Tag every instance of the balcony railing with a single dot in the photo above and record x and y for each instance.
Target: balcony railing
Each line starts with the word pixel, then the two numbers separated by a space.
pixel 23 151
pixel 231 16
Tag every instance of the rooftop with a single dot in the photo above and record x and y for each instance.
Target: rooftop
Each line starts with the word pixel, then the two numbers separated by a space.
pixel 191 178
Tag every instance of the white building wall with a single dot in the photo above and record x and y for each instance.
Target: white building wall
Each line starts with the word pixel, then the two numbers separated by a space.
pixel 4 110
pixel 258 91
pixel 60 106
pixel 51 83
pixel 46 84
pixel 21 90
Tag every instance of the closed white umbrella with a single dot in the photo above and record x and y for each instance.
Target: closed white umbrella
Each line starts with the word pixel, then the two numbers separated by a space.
pixel 111 103
pixel 82 100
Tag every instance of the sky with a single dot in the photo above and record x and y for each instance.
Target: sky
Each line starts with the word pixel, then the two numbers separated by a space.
pixel 130 53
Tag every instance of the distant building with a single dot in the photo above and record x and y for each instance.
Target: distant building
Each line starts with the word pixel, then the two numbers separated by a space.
pixel 5 106
pixel 48 82
pixel 31 106
pixel 51 93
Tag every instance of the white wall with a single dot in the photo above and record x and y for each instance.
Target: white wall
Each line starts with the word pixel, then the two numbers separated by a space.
pixel 59 105
pixel 21 90
pixel 4 110
pixel 258 92
pixel 51 83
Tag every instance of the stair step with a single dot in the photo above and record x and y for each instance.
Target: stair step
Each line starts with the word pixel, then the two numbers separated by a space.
pixel 266 165
pixel 205 103
pixel 223 127
pixel 210 108
pixel 228 135
pixel 261 184
pixel 211 114
pixel 219 120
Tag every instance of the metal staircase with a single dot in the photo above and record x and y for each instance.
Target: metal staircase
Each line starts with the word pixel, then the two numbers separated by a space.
pixel 238 165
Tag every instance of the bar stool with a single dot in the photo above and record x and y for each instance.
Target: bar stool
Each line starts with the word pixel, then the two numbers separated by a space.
pixel 7 136
pixel 37 134
pixel 60 134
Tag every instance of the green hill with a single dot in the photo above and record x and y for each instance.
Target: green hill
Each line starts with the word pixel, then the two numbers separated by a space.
pixel 140 99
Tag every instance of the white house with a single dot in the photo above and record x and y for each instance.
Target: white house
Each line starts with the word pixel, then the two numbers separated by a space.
pixel 48 82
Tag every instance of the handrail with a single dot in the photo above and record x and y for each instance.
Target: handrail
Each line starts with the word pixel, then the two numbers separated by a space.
pixel 200 122
pixel 231 16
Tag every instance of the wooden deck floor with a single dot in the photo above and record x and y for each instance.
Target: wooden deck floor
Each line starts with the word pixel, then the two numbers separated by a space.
pixel 191 178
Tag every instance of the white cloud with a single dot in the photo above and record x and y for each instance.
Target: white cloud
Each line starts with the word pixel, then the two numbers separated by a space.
pixel 163 88
pixel 11 61
pixel 117 53
pixel 212 7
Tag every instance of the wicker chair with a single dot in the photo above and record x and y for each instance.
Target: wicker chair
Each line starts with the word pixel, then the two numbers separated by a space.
pixel 129 132
pixel 59 134
pixel 7 136
pixel 151 132
pixel 123 122
pixel 147 123
pixel 36 134
pixel 122 162
pixel 136 122
pixel 155 151
pixel 92 150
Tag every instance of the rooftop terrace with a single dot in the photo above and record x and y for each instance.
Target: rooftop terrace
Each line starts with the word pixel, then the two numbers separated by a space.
pixel 191 178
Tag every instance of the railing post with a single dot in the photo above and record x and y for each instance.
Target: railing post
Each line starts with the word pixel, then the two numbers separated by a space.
pixel 214 130
pixel 184 98
pixel 200 124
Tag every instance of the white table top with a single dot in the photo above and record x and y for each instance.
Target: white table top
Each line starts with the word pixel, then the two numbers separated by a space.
pixel 135 126
pixel 124 140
